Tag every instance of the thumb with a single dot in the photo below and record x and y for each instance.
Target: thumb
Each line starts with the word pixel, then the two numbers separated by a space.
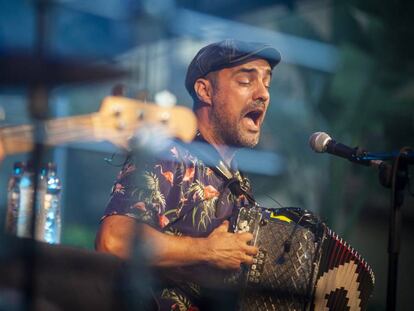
pixel 224 227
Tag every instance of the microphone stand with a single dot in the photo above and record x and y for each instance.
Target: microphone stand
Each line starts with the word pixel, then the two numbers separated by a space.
pixel 395 177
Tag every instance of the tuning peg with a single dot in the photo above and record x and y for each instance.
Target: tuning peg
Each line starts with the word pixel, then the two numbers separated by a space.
pixel 118 90
pixel 165 99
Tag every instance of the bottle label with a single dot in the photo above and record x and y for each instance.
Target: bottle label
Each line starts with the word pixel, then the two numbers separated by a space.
pixel 49 223
pixel 25 211
pixel 12 209
pixel 24 216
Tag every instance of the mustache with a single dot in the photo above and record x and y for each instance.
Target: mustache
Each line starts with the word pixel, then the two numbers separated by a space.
pixel 257 104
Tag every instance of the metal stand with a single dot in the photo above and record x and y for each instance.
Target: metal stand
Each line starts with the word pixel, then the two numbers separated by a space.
pixel 38 110
pixel 394 177
pixel 398 184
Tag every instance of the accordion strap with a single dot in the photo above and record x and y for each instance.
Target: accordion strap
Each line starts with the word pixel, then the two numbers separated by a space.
pixel 234 181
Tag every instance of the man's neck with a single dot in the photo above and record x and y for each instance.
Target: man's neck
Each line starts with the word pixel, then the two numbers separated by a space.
pixel 226 152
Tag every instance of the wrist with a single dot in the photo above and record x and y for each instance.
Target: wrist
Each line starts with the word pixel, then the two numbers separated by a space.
pixel 201 249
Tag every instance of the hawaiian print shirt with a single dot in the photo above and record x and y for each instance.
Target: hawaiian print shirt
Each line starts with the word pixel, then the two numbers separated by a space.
pixel 178 194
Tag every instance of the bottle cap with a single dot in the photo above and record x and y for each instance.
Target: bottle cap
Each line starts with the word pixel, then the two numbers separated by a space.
pixel 20 164
pixel 50 166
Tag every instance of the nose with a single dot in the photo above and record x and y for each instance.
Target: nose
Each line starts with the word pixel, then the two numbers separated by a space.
pixel 261 93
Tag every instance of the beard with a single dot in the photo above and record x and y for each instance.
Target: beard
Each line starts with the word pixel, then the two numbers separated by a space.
pixel 231 131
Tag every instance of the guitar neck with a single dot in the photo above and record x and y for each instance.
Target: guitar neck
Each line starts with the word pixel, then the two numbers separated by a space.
pixel 19 139
pixel 117 120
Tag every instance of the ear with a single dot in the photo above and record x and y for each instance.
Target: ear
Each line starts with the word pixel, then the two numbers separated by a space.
pixel 203 89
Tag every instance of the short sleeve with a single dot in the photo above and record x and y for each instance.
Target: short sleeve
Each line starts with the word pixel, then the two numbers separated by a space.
pixel 149 192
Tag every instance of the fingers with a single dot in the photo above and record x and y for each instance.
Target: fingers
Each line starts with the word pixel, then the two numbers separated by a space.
pixel 247 259
pixel 242 259
pixel 245 236
pixel 251 250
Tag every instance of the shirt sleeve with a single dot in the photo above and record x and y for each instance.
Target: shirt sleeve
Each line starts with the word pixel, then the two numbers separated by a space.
pixel 148 193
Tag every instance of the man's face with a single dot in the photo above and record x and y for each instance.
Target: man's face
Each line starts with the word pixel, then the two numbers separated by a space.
pixel 240 98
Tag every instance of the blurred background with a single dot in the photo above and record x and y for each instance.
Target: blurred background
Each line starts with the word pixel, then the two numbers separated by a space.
pixel 347 69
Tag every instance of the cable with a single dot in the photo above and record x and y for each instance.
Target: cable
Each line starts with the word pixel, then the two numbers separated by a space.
pixel 111 160
pixel 274 200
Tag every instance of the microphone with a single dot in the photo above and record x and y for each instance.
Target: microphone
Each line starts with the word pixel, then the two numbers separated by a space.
pixel 321 142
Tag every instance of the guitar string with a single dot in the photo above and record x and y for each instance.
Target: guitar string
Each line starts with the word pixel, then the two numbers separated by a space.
pixel 61 131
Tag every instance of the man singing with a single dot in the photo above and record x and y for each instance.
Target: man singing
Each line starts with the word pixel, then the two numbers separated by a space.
pixel 180 205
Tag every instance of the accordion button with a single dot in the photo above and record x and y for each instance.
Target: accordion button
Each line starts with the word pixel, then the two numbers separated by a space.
pixel 253 267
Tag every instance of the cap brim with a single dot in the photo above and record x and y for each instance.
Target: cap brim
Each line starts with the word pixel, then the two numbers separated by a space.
pixel 270 54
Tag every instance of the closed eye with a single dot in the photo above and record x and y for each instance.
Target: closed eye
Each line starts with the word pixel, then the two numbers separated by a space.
pixel 244 82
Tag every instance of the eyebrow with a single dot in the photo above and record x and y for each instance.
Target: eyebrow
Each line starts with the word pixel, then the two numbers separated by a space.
pixel 251 70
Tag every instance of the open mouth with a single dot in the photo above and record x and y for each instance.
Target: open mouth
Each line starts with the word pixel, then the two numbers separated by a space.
pixel 255 116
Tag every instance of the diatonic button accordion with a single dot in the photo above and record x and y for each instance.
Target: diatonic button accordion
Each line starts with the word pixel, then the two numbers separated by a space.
pixel 301 264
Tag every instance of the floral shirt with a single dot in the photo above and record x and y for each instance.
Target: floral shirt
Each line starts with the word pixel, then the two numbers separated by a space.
pixel 180 193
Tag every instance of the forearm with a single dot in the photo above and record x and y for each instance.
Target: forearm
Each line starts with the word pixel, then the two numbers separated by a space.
pixel 170 251
pixel 118 235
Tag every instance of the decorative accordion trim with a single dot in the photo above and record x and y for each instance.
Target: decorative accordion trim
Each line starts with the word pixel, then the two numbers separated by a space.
pixel 360 259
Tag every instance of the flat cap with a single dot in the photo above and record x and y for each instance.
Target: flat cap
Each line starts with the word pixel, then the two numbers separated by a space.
pixel 226 54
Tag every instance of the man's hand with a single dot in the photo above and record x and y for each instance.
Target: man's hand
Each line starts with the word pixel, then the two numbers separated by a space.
pixel 229 250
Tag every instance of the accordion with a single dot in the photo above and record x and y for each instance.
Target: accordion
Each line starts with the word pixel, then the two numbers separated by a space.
pixel 301 264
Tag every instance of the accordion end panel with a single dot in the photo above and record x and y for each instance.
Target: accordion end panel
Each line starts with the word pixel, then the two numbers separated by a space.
pixel 345 281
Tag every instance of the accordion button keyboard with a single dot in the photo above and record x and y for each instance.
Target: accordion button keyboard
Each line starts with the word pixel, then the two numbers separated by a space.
pixel 257 267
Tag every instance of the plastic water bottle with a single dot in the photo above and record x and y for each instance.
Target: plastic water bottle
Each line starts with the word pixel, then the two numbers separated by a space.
pixel 13 198
pixel 25 208
pixel 48 224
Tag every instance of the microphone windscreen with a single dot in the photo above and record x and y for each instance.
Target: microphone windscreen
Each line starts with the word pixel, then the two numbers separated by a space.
pixel 318 141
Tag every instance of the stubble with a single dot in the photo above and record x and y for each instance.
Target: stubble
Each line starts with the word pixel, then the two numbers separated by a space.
pixel 230 131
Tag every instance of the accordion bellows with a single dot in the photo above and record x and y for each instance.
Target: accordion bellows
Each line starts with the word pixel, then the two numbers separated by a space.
pixel 301 265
